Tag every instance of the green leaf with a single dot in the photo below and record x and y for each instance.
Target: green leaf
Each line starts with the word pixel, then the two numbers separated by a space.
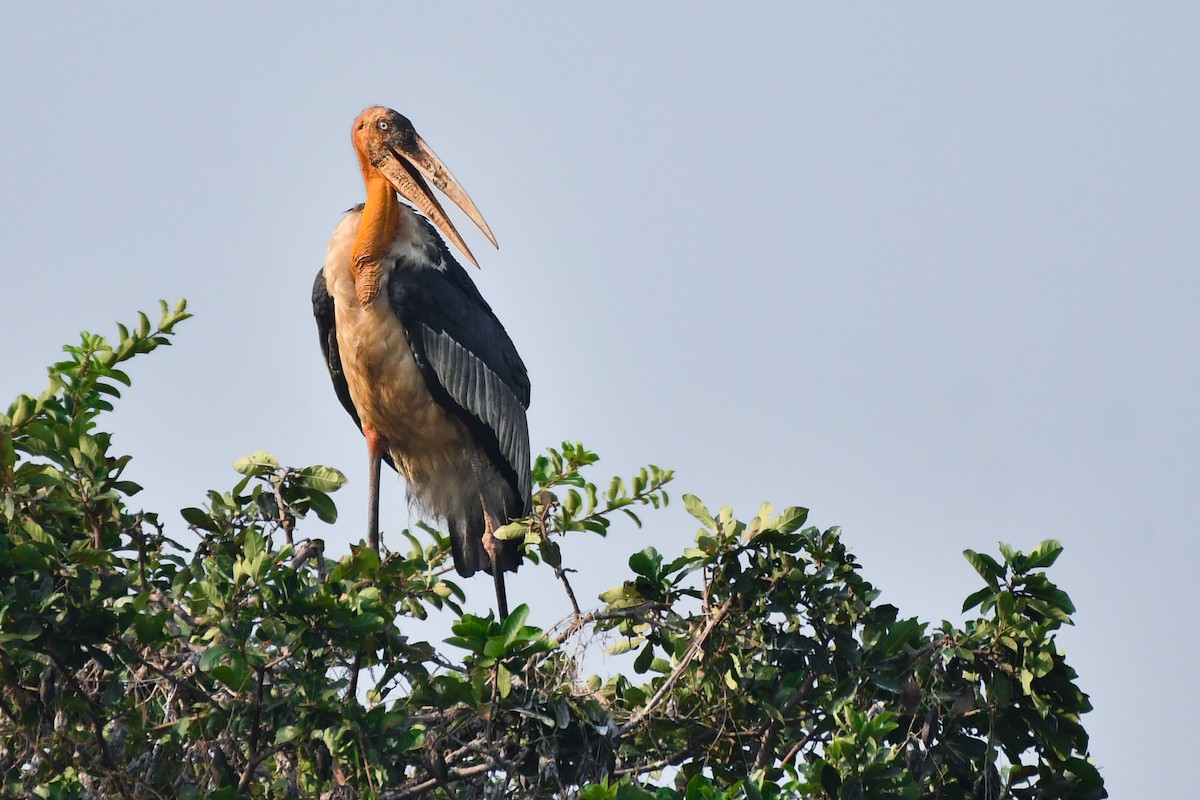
pixel 1005 606
pixel 365 623
pixel 286 734
pixel 197 518
pixel 474 645
pixel 1085 771
pixel 150 628
pixel 235 675
pixel 513 530
pixel 551 553
pixel 644 659
pixel 986 566
pixel 513 623
pixel 791 519
pixel 694 507
pixel 212 656
pixel 540 473
pixel 975 598
pixel 1044 555
pixel 623 646
pixel 647 562
pixel 627 791
pixel 324 506
pixel 620 593
pixel 259 463
pixel 21 410
pixel 323 479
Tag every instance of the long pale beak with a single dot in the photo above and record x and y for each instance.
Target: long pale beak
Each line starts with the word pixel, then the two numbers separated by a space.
pixel 408 171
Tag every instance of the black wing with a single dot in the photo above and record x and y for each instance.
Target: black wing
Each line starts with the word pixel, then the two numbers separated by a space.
pixel 327 330
pixel 468 359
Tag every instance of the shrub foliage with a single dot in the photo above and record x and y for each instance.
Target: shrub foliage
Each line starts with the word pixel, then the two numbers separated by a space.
pixel 243 661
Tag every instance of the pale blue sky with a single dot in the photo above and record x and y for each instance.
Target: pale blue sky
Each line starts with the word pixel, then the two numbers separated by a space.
pixel 929 270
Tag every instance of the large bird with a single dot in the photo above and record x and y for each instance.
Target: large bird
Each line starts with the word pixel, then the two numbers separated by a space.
pixel 417 356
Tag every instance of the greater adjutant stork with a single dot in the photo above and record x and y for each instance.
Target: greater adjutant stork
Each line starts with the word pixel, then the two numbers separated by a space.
pixel 416 355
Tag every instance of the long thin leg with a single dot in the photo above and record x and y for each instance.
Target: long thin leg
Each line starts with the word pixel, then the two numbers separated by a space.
pixel 375 448
pixel 491 545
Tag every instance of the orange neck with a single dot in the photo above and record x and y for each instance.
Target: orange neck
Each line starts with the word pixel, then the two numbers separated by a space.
pixel 376 232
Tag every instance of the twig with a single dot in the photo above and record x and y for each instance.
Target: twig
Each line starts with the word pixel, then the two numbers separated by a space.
pixel 97 718
pixel 314 547
pixel 692 650
pixel 455 774
pixel 158 597
pixel 352 689
pixel 652 765
pixel 9 679
pixel 597 616
pixel 438 770
pixel 255 719
pixel 561 574
pixel 766 744
pixel 286 520
pixel 177 682
pixel 137 535
pixel 796 748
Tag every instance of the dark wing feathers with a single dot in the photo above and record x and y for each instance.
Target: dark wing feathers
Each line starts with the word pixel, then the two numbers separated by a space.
pixel 468 359
pixel 487 338
pixel 481 392
pixel 323 311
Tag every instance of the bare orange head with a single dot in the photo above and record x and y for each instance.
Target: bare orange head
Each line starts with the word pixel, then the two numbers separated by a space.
pixel 389 148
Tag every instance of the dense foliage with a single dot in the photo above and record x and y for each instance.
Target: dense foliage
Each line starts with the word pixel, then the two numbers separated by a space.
pixel 244 662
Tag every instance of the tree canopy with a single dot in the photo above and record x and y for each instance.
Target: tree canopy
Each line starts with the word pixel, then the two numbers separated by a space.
pixel 226 655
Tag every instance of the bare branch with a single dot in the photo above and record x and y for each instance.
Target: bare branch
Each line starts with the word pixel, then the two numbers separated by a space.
pixel 254 757
pixel 286 520
pixel 312 548
pixel 692 650
pixel 561 574
pixel 412 790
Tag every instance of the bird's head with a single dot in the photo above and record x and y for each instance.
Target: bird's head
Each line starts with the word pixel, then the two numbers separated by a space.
pixel 387 145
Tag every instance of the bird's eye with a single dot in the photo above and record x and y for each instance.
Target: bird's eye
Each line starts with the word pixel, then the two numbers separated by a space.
pixel 383 126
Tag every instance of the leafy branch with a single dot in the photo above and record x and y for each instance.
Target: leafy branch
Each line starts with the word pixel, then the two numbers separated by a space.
pixel 250 663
